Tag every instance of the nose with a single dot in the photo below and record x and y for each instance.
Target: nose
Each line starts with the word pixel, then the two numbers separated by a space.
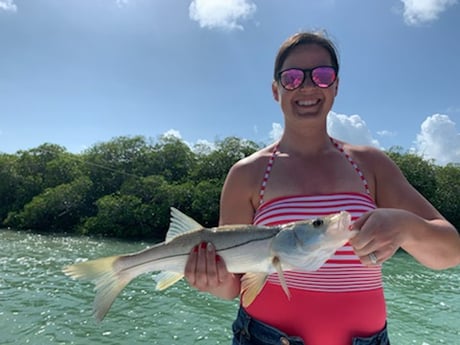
pixel 307 82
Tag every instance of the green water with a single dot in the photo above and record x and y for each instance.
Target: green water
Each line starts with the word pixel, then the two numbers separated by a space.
pixel 39 305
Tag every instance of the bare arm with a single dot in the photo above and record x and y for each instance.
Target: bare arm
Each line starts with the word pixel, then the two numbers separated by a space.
pixel 206 271
pixel 404 219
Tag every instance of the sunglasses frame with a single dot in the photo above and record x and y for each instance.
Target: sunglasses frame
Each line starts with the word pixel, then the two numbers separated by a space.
pixel 308 71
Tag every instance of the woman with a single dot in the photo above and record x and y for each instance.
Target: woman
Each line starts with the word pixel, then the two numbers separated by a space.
pixel 307 174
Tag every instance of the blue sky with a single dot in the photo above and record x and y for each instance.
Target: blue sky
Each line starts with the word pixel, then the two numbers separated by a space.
pixel 79 72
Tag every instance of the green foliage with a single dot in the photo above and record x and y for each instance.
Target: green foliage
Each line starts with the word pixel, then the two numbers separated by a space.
pixel 125 187
pixel 440 185
pixel 420 173
pixel 214 165
pixel 117 216
pixel 447 198
pixel 9 183
pixel 109 164
pixel 56 209
pixel 172 159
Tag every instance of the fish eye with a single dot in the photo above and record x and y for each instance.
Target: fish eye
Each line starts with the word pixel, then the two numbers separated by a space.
pixel 317 222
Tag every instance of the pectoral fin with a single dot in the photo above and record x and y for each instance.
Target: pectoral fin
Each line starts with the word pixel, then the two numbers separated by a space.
pixel 251 284
pixel 166 279
pixel 277 264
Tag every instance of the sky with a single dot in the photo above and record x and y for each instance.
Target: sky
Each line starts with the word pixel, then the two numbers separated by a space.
pixel 81 72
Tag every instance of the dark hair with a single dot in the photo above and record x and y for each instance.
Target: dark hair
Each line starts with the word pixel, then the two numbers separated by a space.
pixel 304 38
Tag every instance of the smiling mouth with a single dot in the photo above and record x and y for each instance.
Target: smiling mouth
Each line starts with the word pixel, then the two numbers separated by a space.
pixel 308 103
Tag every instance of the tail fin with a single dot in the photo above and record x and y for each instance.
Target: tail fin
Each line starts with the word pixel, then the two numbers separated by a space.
pixel 109 282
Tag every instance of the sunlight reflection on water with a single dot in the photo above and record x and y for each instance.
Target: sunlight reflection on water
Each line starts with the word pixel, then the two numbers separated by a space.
pixel 39 305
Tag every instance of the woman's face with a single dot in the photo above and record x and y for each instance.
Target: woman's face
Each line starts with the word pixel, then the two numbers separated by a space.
pixel 308 101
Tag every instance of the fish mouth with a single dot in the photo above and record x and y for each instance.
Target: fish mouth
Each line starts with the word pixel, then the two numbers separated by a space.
pixel 343 220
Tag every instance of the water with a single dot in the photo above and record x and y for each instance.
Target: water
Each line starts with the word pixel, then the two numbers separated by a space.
pixel 39 305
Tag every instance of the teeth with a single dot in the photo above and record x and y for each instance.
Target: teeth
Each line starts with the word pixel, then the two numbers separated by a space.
pixel 307 103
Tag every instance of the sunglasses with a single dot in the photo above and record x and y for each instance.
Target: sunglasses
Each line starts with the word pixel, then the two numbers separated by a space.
pixel 321 76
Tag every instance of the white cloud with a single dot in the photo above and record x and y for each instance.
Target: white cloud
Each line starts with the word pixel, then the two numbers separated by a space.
pixel 439 140
pixel 222 14
pixel 172 133
pixel 351 129
pixel 386 133
pixel 276 132
pixel 421 11
pixel 201 145
pixel 8 5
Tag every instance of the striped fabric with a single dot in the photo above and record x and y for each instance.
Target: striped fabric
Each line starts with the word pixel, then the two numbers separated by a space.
pixel 357 169
pixel 344 271
pixel 267 174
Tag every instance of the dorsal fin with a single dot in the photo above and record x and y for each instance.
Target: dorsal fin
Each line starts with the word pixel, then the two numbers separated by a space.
pixel 180 224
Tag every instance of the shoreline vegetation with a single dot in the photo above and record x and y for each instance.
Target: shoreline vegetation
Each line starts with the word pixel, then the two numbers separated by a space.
pixel 124 188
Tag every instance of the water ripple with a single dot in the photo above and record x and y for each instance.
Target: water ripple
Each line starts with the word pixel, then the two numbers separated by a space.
pixel 39 305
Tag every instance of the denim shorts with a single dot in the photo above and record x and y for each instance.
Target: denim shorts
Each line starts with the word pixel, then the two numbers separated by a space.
pixel 248 331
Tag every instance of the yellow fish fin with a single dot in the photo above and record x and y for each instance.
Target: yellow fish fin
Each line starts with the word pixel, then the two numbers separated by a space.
pixel 166 279
pixel 251 284
pixel 109 282
pixel 277 264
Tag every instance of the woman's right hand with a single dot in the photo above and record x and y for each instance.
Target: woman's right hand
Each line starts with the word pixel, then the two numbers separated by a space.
pixel 206 271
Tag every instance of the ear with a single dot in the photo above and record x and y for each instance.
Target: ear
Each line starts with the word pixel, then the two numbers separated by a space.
pixel 336 86
pixel 275 91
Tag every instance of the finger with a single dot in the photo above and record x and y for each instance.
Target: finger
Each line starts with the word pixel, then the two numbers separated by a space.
pixel 363 239
pixel 359 223
pixel 362 243
pixel 371 259
pixel 201 279
pixel 212 276
pixel 222 272
pixel 190 266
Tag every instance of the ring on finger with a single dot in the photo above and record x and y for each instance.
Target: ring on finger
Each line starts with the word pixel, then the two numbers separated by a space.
pixel 373 258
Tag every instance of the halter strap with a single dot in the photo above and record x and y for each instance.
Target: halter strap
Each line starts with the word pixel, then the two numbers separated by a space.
pixel 267 173
pixel 355 166
pixel 339 147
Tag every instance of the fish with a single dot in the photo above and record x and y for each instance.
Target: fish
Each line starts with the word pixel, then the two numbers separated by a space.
pixel 252 250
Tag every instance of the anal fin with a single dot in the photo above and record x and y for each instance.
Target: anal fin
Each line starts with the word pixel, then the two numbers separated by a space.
pixel 166 279
pixel 251 284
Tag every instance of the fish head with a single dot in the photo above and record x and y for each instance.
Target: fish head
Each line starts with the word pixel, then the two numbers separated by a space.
pixel 308 244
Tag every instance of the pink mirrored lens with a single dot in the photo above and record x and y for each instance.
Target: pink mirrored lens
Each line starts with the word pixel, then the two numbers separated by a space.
pixel 323 76
pixel 292 79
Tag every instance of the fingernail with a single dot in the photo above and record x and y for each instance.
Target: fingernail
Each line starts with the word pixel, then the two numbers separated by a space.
pixel 195 249
pixel 210 247
pixel 203 245
pixel 218 259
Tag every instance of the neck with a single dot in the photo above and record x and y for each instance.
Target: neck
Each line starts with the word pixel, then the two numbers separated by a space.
pixel 305 142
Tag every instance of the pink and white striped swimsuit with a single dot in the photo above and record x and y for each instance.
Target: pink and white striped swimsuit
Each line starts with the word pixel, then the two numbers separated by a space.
pixel 342 291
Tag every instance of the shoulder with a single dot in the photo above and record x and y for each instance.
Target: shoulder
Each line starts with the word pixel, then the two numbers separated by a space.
pixel 240 192
pixel 369 157
pixel 389 186
pixel 249 166
pixel 379 169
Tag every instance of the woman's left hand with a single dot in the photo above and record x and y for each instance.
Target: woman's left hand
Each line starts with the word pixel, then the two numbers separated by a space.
pixel 381 233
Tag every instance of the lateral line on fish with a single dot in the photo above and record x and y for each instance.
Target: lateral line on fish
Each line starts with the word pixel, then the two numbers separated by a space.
pixel 187 253
pixel 249 252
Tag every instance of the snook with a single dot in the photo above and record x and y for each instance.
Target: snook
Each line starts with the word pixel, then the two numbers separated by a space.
pixel 254 250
